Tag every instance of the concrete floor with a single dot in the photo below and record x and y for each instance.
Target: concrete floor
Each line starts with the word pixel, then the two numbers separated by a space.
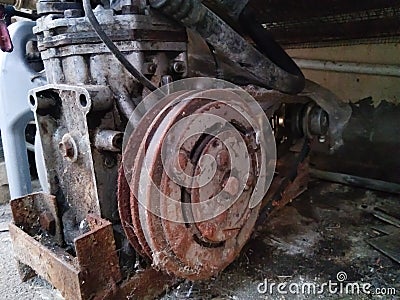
pixel 322 233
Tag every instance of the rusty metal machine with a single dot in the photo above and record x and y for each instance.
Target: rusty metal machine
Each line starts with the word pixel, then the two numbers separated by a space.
pixel 147 115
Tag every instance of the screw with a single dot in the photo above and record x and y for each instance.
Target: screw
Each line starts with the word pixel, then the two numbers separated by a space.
pixel 149 68
pixel 179 67
pixel 166 79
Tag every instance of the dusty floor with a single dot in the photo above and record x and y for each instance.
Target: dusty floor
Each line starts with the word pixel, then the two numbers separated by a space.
pixel 10 284
pixel 322 233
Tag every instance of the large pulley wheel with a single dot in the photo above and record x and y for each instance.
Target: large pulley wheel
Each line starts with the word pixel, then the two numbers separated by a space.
pixel 192 164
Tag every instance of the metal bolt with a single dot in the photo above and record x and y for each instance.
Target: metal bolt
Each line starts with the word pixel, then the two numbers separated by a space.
pixel 231 186
pixel 149 68
pixel 166 79
pixel 179 67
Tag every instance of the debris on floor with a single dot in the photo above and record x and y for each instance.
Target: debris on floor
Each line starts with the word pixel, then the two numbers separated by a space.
pixel 322 236
pixel 389 242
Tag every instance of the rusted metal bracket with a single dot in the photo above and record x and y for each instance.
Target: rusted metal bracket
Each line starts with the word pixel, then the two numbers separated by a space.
pixel 93 273
pixel 64 115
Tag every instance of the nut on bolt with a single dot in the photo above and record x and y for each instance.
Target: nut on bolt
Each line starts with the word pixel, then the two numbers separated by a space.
pixel 179 67
pixel 149 68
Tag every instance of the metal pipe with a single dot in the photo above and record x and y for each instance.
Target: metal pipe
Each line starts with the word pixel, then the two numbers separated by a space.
pixel 368 183
pixel 349 67
pixel 108 140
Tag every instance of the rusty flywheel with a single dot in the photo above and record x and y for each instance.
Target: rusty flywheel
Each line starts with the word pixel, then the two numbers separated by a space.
pixel 191 164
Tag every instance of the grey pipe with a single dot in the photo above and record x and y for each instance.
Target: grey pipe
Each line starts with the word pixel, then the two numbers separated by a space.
pixel 15 114
pixel 368 183
pixel 349 67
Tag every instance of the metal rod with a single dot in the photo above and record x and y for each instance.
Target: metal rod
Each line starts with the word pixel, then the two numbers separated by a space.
pixel 108 140
pixel 349 67
pixel 367 183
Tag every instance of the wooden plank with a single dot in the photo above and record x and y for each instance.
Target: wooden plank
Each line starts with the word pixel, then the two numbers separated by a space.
pixel 388 245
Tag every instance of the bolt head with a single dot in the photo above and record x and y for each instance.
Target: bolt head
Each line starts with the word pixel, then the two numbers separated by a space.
pixel 151 68
pixel 179 67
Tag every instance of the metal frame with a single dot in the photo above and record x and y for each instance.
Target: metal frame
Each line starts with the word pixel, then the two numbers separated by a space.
pixel 16 79
pixel 94 272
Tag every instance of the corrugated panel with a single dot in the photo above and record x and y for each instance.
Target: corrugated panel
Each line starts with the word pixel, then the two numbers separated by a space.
pixel 313 23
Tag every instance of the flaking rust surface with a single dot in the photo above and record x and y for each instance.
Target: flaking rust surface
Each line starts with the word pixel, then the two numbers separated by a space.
pixel 322 232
